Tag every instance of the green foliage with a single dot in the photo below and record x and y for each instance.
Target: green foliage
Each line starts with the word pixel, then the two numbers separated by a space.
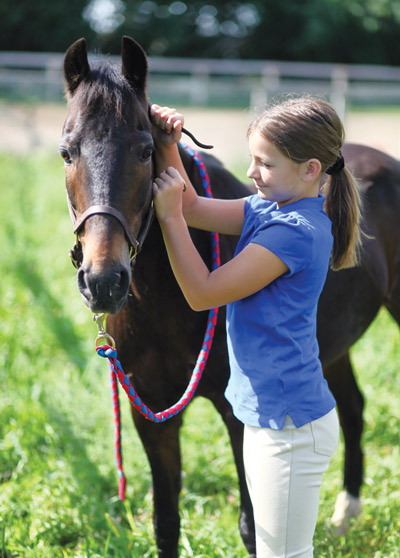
pixel 306 30
pixel 42 25
pixel 58 485
pixel 344 31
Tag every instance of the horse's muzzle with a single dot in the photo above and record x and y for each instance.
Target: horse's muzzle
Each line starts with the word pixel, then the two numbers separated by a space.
pixel 106 290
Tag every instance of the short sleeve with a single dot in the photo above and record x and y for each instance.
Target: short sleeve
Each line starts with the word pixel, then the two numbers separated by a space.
pixel 291 238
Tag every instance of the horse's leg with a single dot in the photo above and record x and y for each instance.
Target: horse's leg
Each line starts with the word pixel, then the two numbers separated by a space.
pixel 235 430
pixel 350 404
pixel 161 443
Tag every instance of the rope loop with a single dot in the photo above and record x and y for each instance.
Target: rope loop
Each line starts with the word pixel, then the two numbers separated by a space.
pixel 108 350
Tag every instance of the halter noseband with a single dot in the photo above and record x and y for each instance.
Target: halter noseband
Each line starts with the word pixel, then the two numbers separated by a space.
pixel 135 244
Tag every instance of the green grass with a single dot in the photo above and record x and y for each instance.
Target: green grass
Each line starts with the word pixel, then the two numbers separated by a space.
pixel 58 485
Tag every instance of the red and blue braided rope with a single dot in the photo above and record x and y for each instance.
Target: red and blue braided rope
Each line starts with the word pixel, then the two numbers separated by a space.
pixel 116 371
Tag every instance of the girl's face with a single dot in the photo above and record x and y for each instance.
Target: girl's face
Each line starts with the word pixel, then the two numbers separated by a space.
pixel 278 178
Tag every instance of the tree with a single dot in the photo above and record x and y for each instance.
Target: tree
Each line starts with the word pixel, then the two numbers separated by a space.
pixel 344 31
pixel 347 31
pixel 42 25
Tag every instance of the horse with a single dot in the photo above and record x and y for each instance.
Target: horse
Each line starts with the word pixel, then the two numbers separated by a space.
pixel 123 270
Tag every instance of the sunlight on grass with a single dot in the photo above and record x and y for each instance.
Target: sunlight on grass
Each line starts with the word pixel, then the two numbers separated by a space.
pixel 58 494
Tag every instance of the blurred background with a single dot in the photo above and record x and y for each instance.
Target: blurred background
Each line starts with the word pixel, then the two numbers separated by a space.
pixel 227 56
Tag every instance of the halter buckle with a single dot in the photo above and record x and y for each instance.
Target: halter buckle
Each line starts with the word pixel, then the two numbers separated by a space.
pixel 133 252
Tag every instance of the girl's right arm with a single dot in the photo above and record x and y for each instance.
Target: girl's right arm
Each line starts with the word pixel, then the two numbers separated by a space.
pixel 245 274
pixel 211 214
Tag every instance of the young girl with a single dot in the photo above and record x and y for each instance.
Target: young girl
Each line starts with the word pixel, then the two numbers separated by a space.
pixel 289 234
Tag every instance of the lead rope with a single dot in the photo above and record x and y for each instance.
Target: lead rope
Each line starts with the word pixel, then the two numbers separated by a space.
pixel 116 372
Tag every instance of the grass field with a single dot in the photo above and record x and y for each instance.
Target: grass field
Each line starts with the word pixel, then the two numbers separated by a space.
pixel 58 485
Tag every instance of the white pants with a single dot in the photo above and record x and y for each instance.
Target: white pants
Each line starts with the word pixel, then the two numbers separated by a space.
pixel 284 470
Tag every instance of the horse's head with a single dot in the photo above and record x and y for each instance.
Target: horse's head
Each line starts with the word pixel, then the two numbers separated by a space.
pixel 107 148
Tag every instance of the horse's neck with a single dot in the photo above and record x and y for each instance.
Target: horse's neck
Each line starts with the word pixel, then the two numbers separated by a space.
pixel 151 262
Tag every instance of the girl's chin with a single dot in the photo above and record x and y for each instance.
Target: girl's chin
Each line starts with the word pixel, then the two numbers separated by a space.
pixel 262 195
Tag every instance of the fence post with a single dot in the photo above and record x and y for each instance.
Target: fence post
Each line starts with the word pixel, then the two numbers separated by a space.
pixel 339 89
pixel 199 86
pixel 267 86
pixel 53 79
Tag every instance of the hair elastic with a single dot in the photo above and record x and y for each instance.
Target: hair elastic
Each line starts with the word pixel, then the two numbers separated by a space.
pixel 337 166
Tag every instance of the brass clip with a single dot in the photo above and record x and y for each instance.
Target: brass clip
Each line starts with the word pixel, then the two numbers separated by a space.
pixel 133 252
pixel 102 336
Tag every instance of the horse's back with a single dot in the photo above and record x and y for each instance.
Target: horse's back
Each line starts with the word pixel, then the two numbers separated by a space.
pixel 379 177
pixel 370 166
pixel 352 297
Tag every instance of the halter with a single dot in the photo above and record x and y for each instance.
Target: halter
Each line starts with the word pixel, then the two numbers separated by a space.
pixel 135 244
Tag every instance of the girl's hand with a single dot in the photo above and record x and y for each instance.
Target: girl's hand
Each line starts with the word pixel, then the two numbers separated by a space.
pixel 167 190
pixel 167 125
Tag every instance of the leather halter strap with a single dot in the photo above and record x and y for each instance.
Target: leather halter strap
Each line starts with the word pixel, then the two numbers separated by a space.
pixel 107 210
pixel 134 243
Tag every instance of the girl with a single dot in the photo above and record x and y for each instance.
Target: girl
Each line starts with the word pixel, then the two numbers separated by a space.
pixel 289 234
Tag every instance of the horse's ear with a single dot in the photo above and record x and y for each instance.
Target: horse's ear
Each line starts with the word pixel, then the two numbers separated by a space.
pixel 134 63
pixel 76 65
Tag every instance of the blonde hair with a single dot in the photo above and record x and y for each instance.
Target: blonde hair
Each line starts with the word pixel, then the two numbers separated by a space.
pixel 305 128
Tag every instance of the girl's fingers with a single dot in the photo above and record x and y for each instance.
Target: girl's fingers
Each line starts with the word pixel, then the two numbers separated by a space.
pixel 166 118
pixel 169 179
pixel 173 172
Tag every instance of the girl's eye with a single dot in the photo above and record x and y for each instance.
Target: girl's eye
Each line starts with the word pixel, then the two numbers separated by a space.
pixel 65 155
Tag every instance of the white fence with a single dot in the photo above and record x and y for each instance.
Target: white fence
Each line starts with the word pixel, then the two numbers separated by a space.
pixel 206 82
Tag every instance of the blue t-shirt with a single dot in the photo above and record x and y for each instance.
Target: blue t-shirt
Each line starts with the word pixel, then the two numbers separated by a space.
pixel 272 342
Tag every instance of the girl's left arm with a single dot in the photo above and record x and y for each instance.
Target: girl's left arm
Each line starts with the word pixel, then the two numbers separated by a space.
pixel 210 214
pixel 251 270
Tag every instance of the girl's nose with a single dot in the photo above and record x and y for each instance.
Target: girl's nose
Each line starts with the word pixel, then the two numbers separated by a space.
pixel 251 171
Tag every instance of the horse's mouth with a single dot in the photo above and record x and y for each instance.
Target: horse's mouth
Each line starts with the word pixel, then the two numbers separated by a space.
pixel 104 306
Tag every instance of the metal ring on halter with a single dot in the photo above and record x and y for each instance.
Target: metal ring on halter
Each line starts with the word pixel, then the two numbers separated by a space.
pixel 105 339
pixel 100 320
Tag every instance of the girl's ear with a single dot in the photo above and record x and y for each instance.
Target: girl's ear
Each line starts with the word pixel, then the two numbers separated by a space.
pixel 312 170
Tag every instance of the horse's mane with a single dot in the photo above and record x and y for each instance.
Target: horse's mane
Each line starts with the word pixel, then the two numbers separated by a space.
pixel 105 89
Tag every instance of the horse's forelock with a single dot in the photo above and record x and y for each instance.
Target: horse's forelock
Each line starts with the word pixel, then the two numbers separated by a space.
pixel 105 89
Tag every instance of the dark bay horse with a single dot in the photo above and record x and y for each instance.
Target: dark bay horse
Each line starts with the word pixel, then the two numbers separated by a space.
pixel 107 147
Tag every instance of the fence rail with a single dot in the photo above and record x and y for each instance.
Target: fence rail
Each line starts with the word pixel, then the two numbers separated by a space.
pixel 205 82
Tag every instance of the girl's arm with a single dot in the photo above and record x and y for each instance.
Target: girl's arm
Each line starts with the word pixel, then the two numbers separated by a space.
pixel 224 216
pixel 251 270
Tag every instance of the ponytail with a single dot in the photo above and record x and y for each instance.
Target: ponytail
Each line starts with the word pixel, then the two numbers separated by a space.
pixel 307 127
pixel 342 205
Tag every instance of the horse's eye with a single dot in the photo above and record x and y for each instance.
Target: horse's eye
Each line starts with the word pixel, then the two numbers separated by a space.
pixel 65 155
pixel 147 153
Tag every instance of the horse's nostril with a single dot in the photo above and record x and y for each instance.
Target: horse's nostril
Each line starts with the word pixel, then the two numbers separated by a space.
pixel 104 291
pixel 82 280
pixel 123 281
